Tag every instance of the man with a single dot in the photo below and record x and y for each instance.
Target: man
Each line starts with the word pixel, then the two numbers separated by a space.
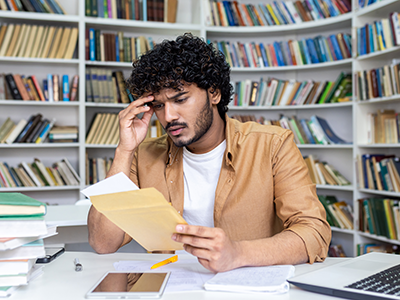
pixel 243 188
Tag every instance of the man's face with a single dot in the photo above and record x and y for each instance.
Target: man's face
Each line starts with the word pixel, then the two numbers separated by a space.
pixel 186 115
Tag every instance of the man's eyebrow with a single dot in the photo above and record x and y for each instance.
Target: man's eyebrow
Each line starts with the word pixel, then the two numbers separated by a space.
pixel 178 95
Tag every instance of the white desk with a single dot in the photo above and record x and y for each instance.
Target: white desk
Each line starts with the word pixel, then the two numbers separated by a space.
pixel 61 282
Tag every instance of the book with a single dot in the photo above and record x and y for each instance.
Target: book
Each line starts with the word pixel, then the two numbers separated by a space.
pixel 14 204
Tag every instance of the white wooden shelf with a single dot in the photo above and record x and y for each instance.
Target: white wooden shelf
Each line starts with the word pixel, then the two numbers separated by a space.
pixel 117 64
pixel 330 146
pixel 44 145
pixel 378 53
pixel 349 188
pixel 379 100
pixel 96 146
pixel 379 146
pixel 29 60
pixel 292 107
pixel 345 18
pixel 342 62
pixel 39 103
pixel 379 238
pixel 347 231
pixel 39 189
pixel 104 104
pixel 39 16
pixel 381 193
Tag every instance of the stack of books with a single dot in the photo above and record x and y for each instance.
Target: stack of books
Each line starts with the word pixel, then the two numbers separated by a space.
pixel 379 82
pixel 277 92
pixel 140 10
pixel 324 173
pixel 103 85
pixel 313 131
pixel 37 174
pixel 380 217
pixel 63 134
pixel 338 213
pixel 364 248
pixel 38 41
pixel 114 46
pixel 383 127
pixel 55 88
pixel 232 13
pixel 104 129
pixel 379 172
pixel 379 35
pixel 22 230
pixel 309 51
pixel 40 6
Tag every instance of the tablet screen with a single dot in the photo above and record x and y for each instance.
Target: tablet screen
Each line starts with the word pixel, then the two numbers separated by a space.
pixel 130 285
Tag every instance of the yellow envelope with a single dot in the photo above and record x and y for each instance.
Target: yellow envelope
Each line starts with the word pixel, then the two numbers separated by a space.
pixel 143 214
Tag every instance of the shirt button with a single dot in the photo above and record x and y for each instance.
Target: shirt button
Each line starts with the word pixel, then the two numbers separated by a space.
pixel 171 181
pixel 229 180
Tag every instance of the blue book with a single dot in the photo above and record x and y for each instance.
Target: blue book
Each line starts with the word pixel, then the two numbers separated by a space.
pixel 288 13
pixel 50 87
pixel 380 32
pixel 235 54
pixel 65 88
pixel 324 50
pixel 318 7
pixel 278 53
pixel 321 49
pixel 133 12
pixel 284 54
pixel 264 55
pixel 359 41
pixel 92 46
pixel 54 7
pixel 371 38
pixel 328 132
pixel 306 51
pixel 277 6
pixel 231 21
pixel 363 41
pixel 27 126
pixel 318 49
pixel 311 6
pixel 336 47
pixel 312 50
pixel 287 51
pixel 331 10
pixel 302 85
pixel 378 79
pixel 266 14
pixel 306 129
pixel 45 90
pixel 117 58
pixel 100 8
pixel 128 92
pixel 12 174
pixel 145 10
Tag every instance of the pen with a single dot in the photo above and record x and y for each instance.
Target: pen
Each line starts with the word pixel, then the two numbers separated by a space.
pixel 165 262
pixel 78 265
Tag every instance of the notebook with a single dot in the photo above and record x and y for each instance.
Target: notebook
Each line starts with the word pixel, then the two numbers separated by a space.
pixel 370 276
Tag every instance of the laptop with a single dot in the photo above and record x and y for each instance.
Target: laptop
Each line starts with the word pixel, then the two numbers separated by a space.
pixel 370 276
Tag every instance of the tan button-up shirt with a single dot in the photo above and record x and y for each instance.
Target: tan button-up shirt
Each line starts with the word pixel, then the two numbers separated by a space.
pixel 263 188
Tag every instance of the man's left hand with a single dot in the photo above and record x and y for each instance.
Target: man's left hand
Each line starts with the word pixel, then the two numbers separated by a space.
pixel 214 250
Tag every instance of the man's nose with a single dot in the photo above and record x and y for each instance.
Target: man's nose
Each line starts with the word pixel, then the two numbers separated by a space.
pixel 170 113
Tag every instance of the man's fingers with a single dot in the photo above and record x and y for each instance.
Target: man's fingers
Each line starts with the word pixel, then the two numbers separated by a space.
pixel 200 231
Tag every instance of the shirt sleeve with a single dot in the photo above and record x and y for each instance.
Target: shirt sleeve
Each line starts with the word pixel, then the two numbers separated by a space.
pixel 296 201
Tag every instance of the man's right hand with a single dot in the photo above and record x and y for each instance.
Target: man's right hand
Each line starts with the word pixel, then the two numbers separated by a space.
pixel 133 130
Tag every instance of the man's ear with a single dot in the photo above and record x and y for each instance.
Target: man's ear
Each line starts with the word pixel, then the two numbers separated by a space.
pixel 214 95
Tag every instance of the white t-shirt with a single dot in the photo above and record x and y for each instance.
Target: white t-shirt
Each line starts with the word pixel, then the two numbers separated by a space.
pixel 201 174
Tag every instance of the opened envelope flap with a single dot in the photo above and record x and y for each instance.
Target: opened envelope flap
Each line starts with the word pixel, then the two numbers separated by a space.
pixel 147 197
pixel 151 227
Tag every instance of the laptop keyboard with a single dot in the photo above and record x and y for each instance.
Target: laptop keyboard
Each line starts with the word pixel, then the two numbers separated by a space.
pixel 385 282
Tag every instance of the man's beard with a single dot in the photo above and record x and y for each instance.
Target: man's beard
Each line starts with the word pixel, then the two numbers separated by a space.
pixel 203 123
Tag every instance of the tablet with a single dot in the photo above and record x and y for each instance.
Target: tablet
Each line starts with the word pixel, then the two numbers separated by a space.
pixel 128 285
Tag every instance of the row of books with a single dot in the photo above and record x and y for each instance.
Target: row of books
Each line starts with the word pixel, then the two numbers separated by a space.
pixel 364 248
pixel 104 129
pixel 140 10
pixel 38 41
pixel 114 46
pixel 232 13
pixel 379 82
pixel 63 134
pixel 338 213
pixel 97 168
pixel 277 92
pixel 40 6
pixel 383 127
pixel 378 172
pixel 55 88
pixel 380 217
pixel 36 174
pixel 103 85
pixel 336 250
pixel 365 3
pixel 287 53
pixel 33 130
pixel 379 35
pixel 313 131
pixel 324 173
pixel 22 230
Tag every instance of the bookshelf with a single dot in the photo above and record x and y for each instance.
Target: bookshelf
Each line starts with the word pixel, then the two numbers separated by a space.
pixel 347 119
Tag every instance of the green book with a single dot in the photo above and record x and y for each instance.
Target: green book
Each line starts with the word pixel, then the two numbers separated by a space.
pixel 335 86
pixel 341 90
pixel 18 205
pixel 380 215
pixel 297 131
pixel 326 202
pixel 325 93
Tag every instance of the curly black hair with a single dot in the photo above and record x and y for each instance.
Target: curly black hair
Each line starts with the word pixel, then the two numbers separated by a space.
pixel 188 59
